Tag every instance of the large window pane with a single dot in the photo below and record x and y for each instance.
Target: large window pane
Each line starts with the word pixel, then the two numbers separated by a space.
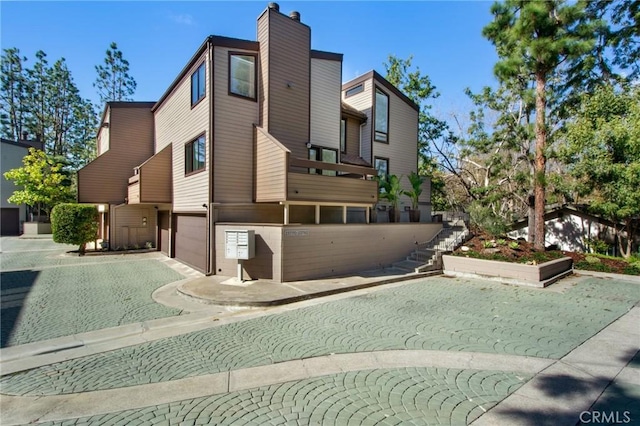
pixel 198 84
pixel 242 81
pixel 382 116
pixel 195 155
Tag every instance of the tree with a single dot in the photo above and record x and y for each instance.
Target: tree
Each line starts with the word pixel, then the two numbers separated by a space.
pixel 533 39
pixel 602 151
pixel 13 82
pixel 44 182
pixel 74 224
pixel 114 82
pixel 44 101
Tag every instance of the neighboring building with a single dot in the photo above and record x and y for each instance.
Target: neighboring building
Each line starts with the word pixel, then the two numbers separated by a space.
pixel 259 133
pixel 13 216
pixel 569 227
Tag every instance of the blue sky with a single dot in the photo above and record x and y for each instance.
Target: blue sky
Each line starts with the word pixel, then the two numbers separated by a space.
pixel 159 37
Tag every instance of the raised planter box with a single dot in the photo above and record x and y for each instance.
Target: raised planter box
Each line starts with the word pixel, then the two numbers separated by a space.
pixel 512 273
pixel 36 228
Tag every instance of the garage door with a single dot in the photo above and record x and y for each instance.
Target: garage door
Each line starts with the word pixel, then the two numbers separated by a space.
pixel 10 221
pixel 163 232
pixel 190 240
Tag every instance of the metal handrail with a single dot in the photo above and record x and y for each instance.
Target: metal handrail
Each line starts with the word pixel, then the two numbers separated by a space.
pixel 458 237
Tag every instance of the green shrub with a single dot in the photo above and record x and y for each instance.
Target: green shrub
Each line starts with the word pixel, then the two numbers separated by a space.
pixel 513 245
pixel 592 260
pixel 482 217
pixel 74 224
pixel 488 244
pixel 501 241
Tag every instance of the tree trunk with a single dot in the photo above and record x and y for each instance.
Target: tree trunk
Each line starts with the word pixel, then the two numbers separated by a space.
pixel 531 202
pixel 540 161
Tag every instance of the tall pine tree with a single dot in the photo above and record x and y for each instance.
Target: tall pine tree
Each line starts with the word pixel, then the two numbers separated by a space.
pixel 533 40
pixel 114 82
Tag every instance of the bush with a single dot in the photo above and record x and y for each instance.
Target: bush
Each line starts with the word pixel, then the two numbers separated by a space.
pixel 483 218
pixel 74 224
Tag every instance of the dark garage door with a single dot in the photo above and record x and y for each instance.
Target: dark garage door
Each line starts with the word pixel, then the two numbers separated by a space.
pixel 190 240
pixel 163 232
pixel 10 221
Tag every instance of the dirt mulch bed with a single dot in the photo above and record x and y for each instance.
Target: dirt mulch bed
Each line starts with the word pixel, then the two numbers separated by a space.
pixel 526 253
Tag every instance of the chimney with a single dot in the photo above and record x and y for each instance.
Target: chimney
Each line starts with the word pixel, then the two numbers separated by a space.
pixel 295 16
pixel 274 6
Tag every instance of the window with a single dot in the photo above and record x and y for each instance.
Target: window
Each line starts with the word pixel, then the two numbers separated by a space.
pixel 198 85
pixel 382 117
pixel 343 136
pixel 323 154
pixel 382 166
pixel 354 90
pixel 194 155
pixel 242 75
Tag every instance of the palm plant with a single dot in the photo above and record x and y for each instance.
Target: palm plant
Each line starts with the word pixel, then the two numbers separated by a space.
pixel 414 194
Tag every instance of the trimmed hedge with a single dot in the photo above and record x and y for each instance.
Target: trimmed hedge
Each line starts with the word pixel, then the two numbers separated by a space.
pixel 74 224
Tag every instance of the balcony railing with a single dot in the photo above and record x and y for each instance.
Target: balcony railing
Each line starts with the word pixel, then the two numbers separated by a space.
pixel 283 178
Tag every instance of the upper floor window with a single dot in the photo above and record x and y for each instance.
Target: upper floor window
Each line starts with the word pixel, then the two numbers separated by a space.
pixel 382 117
pixel 194 155
pixel 354 90
pixel 382 166
pixel 343 136
pixel 242 75
pixel 198 85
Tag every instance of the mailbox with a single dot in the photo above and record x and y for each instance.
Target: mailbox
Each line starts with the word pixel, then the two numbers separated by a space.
pixel 239 244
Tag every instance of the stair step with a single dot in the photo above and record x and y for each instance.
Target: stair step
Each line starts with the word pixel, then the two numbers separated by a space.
pixel 408 265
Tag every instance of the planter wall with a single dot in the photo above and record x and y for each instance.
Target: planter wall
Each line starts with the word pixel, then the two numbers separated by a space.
pixel 36 228
pixel 535 275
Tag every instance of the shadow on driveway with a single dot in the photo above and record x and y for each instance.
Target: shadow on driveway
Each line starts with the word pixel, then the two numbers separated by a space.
pixel 14 289
pixel 618 404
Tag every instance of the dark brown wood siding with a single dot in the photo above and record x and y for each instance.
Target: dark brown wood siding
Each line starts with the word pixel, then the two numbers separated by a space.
pixel 106 178
pixel 190 239
pixel 163 232
pixel 353 136
pixel 288 97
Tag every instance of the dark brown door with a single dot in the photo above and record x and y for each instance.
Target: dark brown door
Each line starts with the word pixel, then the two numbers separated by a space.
pixel 10 221
pixel 190 240
pixel 163 232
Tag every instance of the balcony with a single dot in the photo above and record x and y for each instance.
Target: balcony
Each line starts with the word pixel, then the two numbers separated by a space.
pixel 284 179
pixel 151 182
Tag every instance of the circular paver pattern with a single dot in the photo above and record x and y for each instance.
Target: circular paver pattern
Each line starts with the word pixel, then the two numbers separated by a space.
pixel 374 397
pixel 45 303
pixel 435 313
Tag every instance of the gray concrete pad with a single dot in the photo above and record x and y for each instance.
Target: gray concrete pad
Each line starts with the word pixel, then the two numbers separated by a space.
pixel 213 290
pixel 561 392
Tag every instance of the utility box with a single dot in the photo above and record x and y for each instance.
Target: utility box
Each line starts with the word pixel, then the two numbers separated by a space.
pixel 239 244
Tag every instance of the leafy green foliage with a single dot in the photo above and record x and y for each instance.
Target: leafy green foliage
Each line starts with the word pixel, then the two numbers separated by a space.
pixel 43 180
pixel 602 151
pixel 514 245
pixel 74 224
pixel 390 189
pixel 416 182
pixel 483 218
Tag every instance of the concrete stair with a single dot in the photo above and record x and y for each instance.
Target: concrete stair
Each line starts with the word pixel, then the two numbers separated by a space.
pixel 428 256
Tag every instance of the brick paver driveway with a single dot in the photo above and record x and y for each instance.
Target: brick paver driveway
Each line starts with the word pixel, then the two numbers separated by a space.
pixel 47 292
pixel 434 314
